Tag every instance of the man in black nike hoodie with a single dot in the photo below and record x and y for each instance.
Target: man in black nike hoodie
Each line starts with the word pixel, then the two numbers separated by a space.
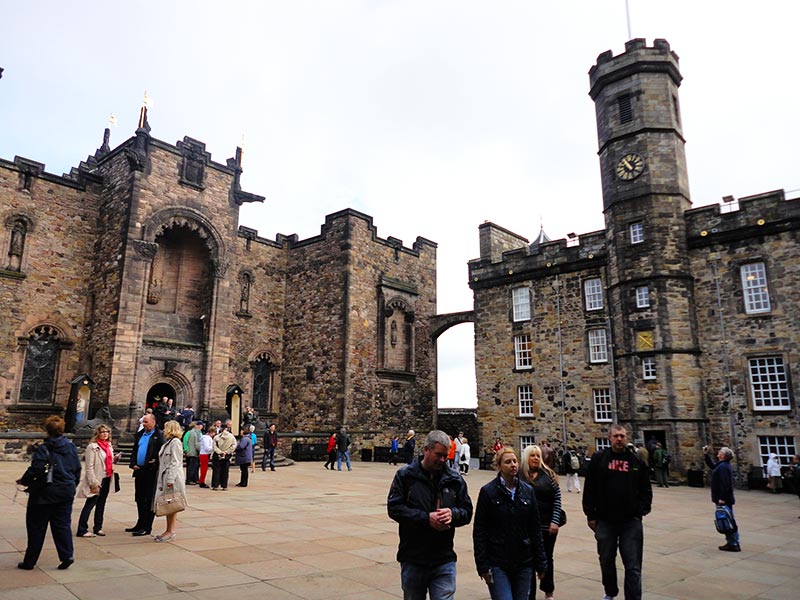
pixel 616 495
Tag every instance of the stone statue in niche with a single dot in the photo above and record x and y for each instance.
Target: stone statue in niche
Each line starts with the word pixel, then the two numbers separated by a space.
pixel 17 246
pixel 156 279
pixel 244 298
pixel 393 333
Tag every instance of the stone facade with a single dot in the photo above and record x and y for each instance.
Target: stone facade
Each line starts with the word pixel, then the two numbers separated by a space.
pixel 644 323
pixel 130 277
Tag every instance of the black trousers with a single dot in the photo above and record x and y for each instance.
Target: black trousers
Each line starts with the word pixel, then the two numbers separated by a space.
pixel 245 477
pixel 144 490
pixel 546 584
pixel 331 459
pixel 219 478
pixel 37 518
pixel 98 503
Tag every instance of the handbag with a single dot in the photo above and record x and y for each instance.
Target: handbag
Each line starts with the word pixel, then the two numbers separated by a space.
pixel 41 479
pixel 116 482
pixel 170 503
pixel 562 518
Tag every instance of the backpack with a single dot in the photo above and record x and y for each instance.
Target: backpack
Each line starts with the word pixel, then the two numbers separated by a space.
pixel 574 462
pixel 666 459
pixel 724 521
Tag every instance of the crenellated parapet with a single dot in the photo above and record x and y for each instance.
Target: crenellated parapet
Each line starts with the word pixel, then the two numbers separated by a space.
pixel 762 214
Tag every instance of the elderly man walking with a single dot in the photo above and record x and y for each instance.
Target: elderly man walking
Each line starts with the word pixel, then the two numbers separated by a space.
pixel 722 490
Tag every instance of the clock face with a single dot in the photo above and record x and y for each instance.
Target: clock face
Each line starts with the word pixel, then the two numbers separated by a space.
pixel 630 166
pixel 644 340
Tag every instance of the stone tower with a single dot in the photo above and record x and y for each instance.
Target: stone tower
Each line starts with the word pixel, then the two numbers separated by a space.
pixel 649 282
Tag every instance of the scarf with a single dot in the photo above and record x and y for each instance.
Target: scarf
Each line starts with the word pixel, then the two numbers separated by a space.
pixel 106 447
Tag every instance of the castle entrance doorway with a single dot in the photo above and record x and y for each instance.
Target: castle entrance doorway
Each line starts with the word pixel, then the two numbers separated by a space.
pixel 159 391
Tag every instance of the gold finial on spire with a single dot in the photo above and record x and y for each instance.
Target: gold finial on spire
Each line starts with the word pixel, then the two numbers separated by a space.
pixel 147 102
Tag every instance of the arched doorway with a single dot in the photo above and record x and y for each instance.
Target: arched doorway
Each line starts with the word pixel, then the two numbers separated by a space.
pixel 157 392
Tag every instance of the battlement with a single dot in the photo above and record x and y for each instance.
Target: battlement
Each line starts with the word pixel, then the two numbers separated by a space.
pixel 637 58
pixel 538 260
pixel 293 240
pixel 760 214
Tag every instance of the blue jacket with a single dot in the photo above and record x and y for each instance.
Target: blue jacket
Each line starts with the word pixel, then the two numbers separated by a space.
pixel 244 450
pixel 412 497
pixel 61 455
pixel 721 481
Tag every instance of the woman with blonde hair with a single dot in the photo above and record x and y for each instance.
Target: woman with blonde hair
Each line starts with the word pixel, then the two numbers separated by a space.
pixel 548 498
pixel 96 482
pixel 506 534
pixel 170 479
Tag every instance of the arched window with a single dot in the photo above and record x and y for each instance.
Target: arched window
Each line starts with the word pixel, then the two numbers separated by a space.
pixel 41 363
pixel 262 382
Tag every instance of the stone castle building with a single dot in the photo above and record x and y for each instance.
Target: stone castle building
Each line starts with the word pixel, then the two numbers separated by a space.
pixel 129 279
pixel 681 323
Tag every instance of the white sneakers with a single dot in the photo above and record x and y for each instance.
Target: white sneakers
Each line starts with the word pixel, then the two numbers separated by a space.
pixel 607 597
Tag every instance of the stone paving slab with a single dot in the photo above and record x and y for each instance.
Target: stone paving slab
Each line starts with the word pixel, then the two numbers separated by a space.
pixel 302 533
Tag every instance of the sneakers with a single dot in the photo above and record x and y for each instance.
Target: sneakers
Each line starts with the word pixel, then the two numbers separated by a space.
pixel 731 548
pixel 607 597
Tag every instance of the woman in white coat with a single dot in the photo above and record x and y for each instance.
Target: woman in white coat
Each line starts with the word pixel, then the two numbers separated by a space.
pixel 463 461
pixel 170 477
pixel 96 481
pixel 774 473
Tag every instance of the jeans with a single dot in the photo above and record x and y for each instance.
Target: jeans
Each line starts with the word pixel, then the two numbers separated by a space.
pixel 346 455
pixel 510 585
pixel 628 536
pixel 732 538
pixel 417 580
pixel 269 456
pixel 98 503
pixel 192 469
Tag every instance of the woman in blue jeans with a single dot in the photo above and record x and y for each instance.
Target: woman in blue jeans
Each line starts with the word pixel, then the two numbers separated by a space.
pixel 506 534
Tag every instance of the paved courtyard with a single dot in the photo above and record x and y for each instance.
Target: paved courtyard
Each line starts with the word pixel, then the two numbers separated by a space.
pixel 306 533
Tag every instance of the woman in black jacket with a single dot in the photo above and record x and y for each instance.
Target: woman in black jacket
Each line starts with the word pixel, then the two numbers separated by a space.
pixel 51 503
pixel 506 534
pixel 548 501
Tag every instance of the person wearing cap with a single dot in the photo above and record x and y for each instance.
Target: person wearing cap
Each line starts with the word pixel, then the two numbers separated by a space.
pixel 191 448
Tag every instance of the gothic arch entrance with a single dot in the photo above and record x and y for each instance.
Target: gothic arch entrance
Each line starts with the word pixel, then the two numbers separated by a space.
pixel 157 392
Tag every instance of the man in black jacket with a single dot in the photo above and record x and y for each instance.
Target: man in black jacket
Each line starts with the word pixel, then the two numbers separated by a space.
pixel 616 495
pixel 270 444
pixel 144 462
pixel 429 500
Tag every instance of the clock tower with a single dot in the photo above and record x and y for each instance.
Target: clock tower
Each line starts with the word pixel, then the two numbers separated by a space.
pixel 649 282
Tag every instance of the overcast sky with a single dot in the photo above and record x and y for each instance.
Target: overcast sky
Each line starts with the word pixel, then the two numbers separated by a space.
pixel 430 116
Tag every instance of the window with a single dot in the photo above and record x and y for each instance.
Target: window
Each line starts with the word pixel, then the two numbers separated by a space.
pixel 649 367
pixel 262 380
pixel 768 384
pixel 642 297
pixel 601 444
pixel 625 108
pixel 601 399
pixel 525 398
pixel 593 294
pixel 521 300
pixel 522 352
pixel 754 286
pixel 598 350
pixel 524 442
pixel 41 362
pixel 782 445
pixel 637 232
